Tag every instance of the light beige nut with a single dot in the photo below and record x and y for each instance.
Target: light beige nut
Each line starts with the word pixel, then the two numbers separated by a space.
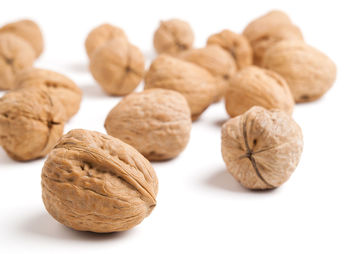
pixel 59 86
pixel 173 36
pixel 100 35
pixel 254 86
pixel 94 182
pixel 27 30
pixel 31 122
pixel 236 44
pixel 308 72
pixel 215 60
pixel 195 83
pixel 261 148
pixel 15 55
pixel 157 122
pixel 269 29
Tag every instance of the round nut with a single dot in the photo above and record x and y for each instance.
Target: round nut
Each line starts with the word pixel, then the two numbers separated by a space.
pixel 261 148
pixel 254 86
pixel 157 122
pixel 94 182
pixel 308 72
pixel 173 36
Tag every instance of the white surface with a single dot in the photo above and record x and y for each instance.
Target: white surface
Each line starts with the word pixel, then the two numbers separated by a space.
pixel 201 208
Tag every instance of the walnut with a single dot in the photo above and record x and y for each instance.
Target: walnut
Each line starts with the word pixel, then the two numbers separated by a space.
pixel 308 72
pixel 261 148
pixel 236 44
pixel 254 86
pixel 157 122
pixel 195 83
pixel 173 36
pixel 94 182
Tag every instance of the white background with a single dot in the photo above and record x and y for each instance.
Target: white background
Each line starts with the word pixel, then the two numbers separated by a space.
pixel 201 208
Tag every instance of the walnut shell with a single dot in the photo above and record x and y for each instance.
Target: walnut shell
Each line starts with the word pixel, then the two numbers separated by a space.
pixel 254 86
pixel 173 36
pixel 31 122
pixel 15 55
pixel 100 35
pixel 195 83
pixel 269 29
pixel 261 148
pixel 236 44
pixel 157 122
pixel 308 72
pixel 94 182
pixel 29 31
pixel 117 66
pixel 59 86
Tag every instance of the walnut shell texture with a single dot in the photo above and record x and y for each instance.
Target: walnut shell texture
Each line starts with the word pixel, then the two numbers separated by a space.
pixel 261 148
pixel 308 72
pixel 157 122
pixel 94 182
pixel 173 36
pixel 254 86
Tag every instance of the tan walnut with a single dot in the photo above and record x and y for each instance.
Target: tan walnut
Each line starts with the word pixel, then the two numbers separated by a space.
pixel 254 86
pixel 157 122
pixel 261 148
pixel 94 182
pixel 308 72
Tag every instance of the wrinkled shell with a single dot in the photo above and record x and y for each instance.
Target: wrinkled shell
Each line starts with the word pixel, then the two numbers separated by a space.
pixel 31 122
pixel 100 35
pixel 261 148
pixel 254 86
pixel 215 60
pixel 157 122
pixel 195 83
pixel 94 182
pixel 173 36
pixel 236 44
pixel 269 29
pixel 308 72
pixel 118 66
pixel 15 55
pixel 59 86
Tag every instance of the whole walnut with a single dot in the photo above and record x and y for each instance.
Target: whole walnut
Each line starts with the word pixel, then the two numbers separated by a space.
pixel 195 83
pixel 15 55
pixel 59 86
pixel 254 86
pixel 269 29
pixel 94 182
pixel 173 36
pixel 31 122
pixel 157 122
pixel 261 148
pixel 308 72
pixel 236 44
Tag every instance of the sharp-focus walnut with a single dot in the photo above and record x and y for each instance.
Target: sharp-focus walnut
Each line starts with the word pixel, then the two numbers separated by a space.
pixel 15 55
pixel 308 72
pixel 269 29
pixel 261 148
pixel 117 66
pixel 195 83
pixel 31 122
pixel 173 36
pixel 157 122
pixel 94 182
pixel 254 86
pixel 59 86
pixel 236 44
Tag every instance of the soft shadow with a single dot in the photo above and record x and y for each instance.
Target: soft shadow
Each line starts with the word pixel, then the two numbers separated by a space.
pixel 5 160
pixel 220 122
pixel 93 91
pixel 150 54
pixel 78 67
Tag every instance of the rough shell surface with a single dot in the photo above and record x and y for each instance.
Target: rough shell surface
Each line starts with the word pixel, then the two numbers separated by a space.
pixel 157 122
pixel 261 148
pixel 94 182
